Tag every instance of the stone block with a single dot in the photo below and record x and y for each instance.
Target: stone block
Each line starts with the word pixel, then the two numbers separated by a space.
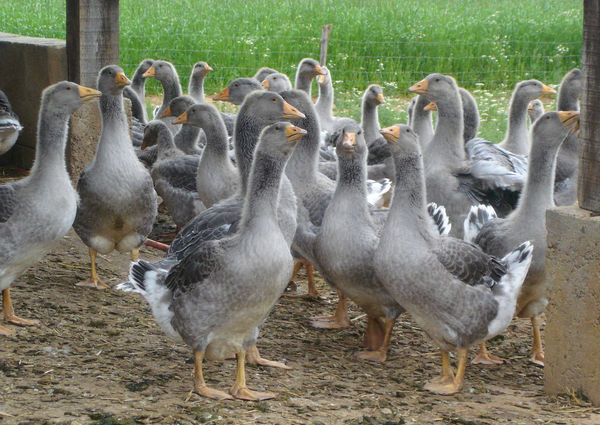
pixel 572 333
pixel 28 66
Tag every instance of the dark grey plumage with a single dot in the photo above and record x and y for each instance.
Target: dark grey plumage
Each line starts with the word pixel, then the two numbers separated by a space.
pixel 9 124
pixel 470 114
pixel 196 83
pixel 420 120
pixel 190 139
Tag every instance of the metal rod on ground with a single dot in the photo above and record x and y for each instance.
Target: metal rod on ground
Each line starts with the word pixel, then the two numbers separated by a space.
pixel 325 32
pixel 157 245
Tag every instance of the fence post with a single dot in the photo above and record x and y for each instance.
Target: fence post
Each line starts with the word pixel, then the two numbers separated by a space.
pixel 588 188
pixel 92 38
pixel 325 31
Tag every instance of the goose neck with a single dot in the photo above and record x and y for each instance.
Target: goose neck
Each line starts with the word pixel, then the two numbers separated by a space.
pixel 324 105
pixel 517 137
pixel 448 137
pixel 196 89
pixel 370 121
pixel 51 144
pixel 171 90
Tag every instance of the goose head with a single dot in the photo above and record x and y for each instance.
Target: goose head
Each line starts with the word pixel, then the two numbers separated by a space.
pixel 532 89
pixel 145 66
pixel 302 102
pixel 178 106
pixel 199 115
pixel 350 144
pixel 325 77
pixel 112 80
pixel 310 68
pixel 67 97
pixel 276 82
pixel 237 90
pixel 200 69
pixel 270 107
pixel 162 71
pixel 280 137
pixel 374 95
pixel 154 131
pixel 402 140
pixel 553 127
pixel 436 87
pixel 262 73
pixel 535 109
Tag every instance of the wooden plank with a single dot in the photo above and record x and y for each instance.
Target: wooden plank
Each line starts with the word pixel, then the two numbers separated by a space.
pixel 325 32
pixel 72 37
pixel 588 190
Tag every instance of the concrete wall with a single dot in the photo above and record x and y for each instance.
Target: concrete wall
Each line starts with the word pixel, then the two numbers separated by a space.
pixel 572 333
pixel 28 66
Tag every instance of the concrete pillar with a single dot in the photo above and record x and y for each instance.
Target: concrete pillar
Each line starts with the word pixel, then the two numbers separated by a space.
pixel 572 333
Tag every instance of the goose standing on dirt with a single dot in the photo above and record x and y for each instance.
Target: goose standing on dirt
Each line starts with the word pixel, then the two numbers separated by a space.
pixel 190 139
pixel 217 305
pixel 165 72
pixel 175 179
pixel 455 292
pixel 9 125
pixel 567 162
pixel 346 243
pixel 276 82
pixel 307 70
pixel 196 84
pixel 118 203
pixel 498 236
pixel 453 180
pixel 38 210
pixel 216 178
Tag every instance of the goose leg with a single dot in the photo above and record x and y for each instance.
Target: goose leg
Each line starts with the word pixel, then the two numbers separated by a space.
pixel 292 286
pixel 374 333
pixel 537 354
pixel 313 292
pixel 94 281
pixel 380 354
pixel 9 315
pixel 448 384
pixel 253 357
pixel 134 255
pixel 239 389
pixel 485 357
pixel 200 386
pixel 339 320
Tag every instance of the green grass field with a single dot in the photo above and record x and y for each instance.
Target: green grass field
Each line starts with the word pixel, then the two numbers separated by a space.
pixel 487 45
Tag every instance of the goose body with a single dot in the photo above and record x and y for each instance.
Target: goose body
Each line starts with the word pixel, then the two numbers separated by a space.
pixel 117 199
pixel 38 210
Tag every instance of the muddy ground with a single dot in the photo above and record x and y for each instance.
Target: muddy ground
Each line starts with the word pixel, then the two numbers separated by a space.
pixel 99 358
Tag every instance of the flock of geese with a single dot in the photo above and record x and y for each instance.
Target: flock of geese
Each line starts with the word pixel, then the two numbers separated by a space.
pixel 285 183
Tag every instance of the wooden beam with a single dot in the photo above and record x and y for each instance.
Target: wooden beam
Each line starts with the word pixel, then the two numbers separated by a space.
pixel 92 38
pixel 588 188
pixel 325 32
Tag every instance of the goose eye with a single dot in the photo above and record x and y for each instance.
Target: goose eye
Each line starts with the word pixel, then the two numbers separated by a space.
pixel 437 79
pixel 277 127
pixel 68 88
pixel 407 130
pixel 236 85
pixel 548 117
pixel 274 100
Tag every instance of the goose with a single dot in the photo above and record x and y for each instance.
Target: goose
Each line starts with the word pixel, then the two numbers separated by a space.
pixel 196 84
pixel 567 162
pixel 10 127
pixel 517 137
pixel 453 180
pixel 276 82
pixel 263 72
pixel 455 292
pixel 372 98
pixel 38 210
pixel 174 178
pixel 190 139
pixel 307 70
pixel 324 103
pixel 498 236
pixel 421 120
pixel 217 178
pixel 346 243
pixel 165 72
pixel 118 203
pixel 138 117
pixel 535 110
pixel 216 305
pixel 259 110
pixel 148 153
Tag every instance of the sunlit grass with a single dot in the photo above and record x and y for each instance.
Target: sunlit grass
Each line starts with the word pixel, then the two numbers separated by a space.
pixel 487 45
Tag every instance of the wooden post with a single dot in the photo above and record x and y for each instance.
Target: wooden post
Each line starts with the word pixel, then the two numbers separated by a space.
pixel 92 38
pixel 588 188
pixel 325 31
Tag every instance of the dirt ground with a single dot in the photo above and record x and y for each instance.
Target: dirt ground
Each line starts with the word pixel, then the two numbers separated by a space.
pixel 99 358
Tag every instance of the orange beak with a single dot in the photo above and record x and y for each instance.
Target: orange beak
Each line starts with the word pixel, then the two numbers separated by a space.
pixel 291 113
pixel 294 133
pixel 430 107
pixel 150 73
pixel 121 80
pixel 265 84
pixel 223 95
pixel 391 134
pixel 547 90
pixel 420 87
pixel 166 113
pixel 181 119
pixel 86 93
